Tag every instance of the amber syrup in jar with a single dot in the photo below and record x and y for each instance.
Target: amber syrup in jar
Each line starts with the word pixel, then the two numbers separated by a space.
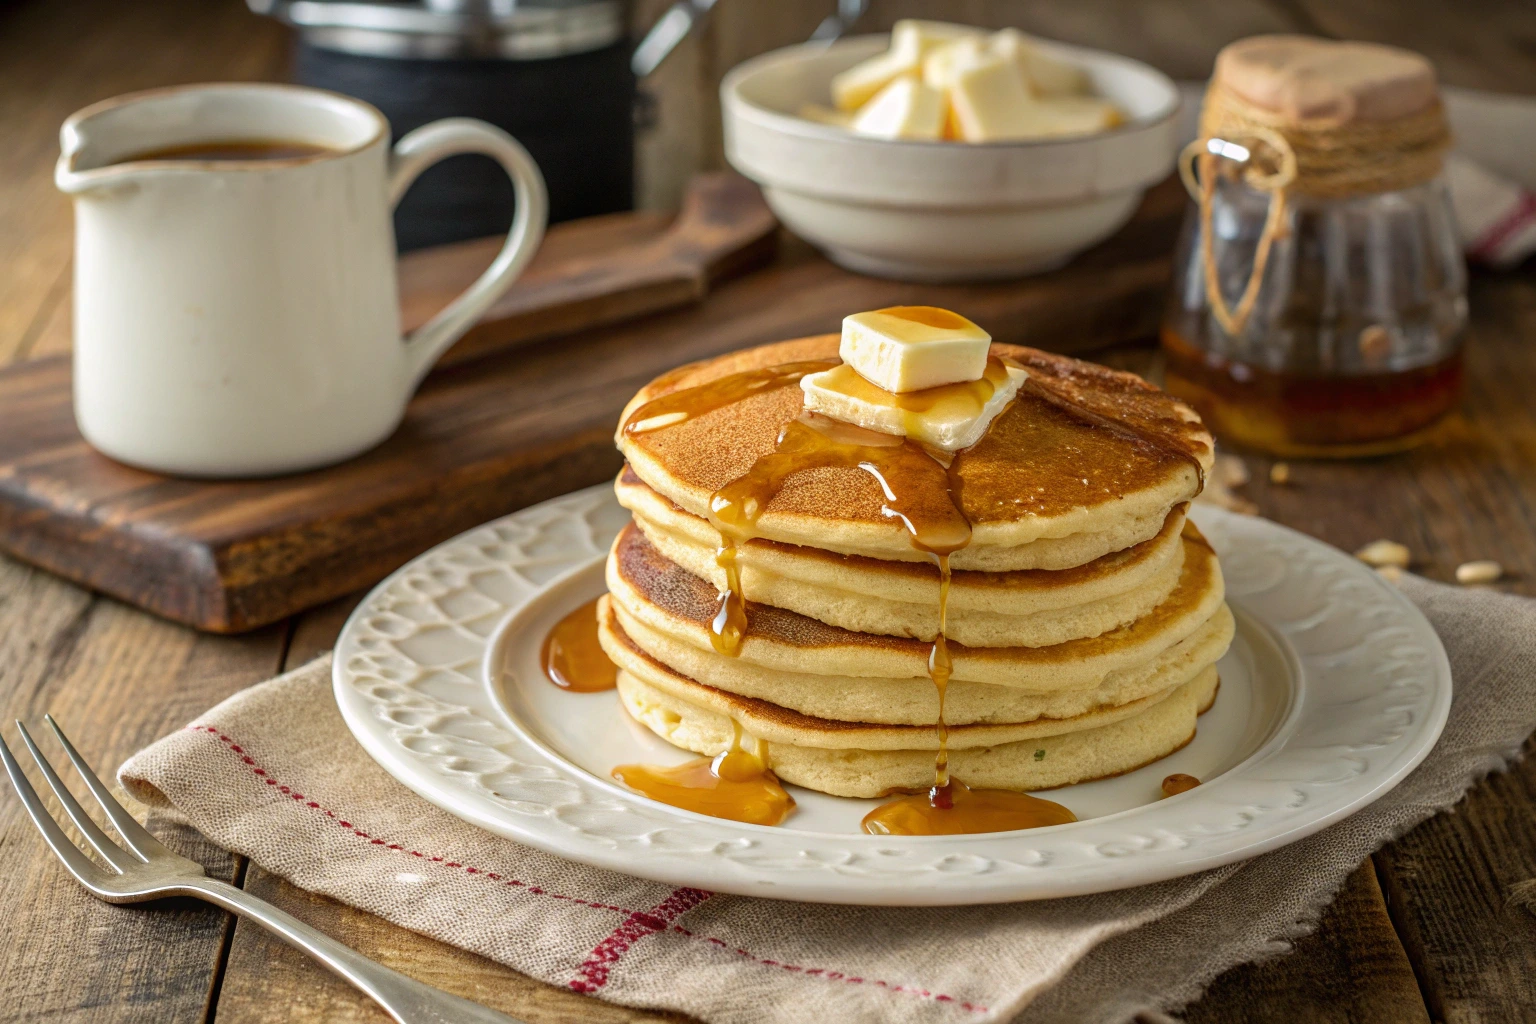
pixel 1353 347
pixel 1295 414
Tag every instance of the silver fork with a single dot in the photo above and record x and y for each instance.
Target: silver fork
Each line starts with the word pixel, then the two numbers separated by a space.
pixel 146 870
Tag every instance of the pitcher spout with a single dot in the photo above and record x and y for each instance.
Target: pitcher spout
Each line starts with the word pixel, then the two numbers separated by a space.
pixel 96 180
pixel 87 164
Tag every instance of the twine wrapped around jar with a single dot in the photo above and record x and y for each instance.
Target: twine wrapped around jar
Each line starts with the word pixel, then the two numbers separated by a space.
pixel 1329 158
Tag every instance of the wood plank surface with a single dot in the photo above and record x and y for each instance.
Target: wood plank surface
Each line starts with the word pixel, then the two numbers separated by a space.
pixel 92 662
pixel 119 678
pixel 1447 885
pixel 1352 970
pixel 116 678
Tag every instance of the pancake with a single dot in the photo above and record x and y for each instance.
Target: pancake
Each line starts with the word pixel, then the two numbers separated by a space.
pixel 819 754
pixel 910 701
pixel 663 596
pixel 1040 475
pixel 1028 608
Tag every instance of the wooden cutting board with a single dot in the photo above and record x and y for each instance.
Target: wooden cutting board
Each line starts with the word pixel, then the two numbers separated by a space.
pixel 512 417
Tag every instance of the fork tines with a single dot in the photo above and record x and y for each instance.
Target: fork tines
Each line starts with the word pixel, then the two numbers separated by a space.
pixel 141 847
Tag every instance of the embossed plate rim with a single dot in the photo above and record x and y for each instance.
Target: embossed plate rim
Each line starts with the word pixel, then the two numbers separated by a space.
pixel 424 740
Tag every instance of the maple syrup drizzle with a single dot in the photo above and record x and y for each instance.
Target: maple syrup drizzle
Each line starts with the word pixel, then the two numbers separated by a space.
pixel 811 441
pixel 928 316
pixel 1173 785
pixel 734 784
pixel 690 403
pixel 733 788
pixel 571 656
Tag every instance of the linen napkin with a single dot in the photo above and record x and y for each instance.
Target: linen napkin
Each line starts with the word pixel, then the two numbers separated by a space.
pixel 273 774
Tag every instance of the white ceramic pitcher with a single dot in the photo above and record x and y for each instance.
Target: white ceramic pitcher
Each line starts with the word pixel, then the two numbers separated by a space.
pixel 240 318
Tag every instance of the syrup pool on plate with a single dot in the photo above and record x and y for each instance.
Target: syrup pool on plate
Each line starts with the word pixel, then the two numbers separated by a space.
pixel 572 657
pixel 734 784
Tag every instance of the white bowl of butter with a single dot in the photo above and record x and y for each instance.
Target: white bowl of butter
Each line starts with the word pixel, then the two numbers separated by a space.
pixel 940 211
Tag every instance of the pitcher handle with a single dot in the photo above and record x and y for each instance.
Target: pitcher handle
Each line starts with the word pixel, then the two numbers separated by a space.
pixel 452 136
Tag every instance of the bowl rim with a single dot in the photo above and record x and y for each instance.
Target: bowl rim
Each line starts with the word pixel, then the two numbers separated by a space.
pixel 738 105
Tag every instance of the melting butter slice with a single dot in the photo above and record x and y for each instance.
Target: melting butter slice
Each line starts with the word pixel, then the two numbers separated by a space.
pixel 949 417
pixel 915 371
pixel 909 348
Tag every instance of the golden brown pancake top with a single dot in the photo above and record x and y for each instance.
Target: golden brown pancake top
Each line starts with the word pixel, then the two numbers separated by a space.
pixel 1037 459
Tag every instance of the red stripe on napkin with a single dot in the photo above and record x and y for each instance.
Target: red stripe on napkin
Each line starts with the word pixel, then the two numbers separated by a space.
pixel 341 821
pixel 637 924
pixel 1486 249
pixel 593 973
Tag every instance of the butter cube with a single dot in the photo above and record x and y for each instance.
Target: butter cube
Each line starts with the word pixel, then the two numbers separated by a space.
pixel 948 417
pixel 991 104
pixel 1072 115
pixel 911 41
pixel 910 348
pixel 939 66
pixel 905 109
pixel 855 87
pixel 929 35
pixel 989 98
pixel 1044 74
pixel 1060 115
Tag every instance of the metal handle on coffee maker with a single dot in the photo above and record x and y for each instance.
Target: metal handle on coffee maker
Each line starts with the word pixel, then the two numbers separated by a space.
pixel 684 16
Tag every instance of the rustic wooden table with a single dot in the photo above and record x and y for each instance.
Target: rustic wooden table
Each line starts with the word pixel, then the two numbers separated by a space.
pixel 1420 931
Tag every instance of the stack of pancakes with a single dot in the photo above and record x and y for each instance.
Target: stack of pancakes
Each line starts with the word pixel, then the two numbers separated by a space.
pixel 1084 618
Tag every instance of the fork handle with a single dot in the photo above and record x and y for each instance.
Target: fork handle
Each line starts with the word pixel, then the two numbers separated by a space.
pixel 407 1000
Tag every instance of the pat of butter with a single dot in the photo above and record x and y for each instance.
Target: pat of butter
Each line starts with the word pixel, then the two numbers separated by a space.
pixel 910 348
pixel 948 417
pixel 940 66
pixel 991 103
pixel 1044 74
pixel 855 87
pixel 905 109
pixel 911 41
pixel 933 33
pixel 989 98
pixel 1072 115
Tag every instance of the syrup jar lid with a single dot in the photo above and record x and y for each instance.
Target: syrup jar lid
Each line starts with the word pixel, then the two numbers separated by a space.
pixel 1304 79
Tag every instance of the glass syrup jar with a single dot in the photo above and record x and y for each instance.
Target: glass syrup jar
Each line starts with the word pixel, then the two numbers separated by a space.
pixel 1313 313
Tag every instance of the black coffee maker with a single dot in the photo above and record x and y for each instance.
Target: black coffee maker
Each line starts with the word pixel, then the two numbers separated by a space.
pixel 558 75
pixel 554 74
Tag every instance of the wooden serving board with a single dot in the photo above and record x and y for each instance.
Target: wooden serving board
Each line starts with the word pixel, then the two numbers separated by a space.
pixel 495 430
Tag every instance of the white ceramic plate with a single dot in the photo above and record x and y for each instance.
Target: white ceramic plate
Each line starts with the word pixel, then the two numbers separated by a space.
pixel 1334 689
